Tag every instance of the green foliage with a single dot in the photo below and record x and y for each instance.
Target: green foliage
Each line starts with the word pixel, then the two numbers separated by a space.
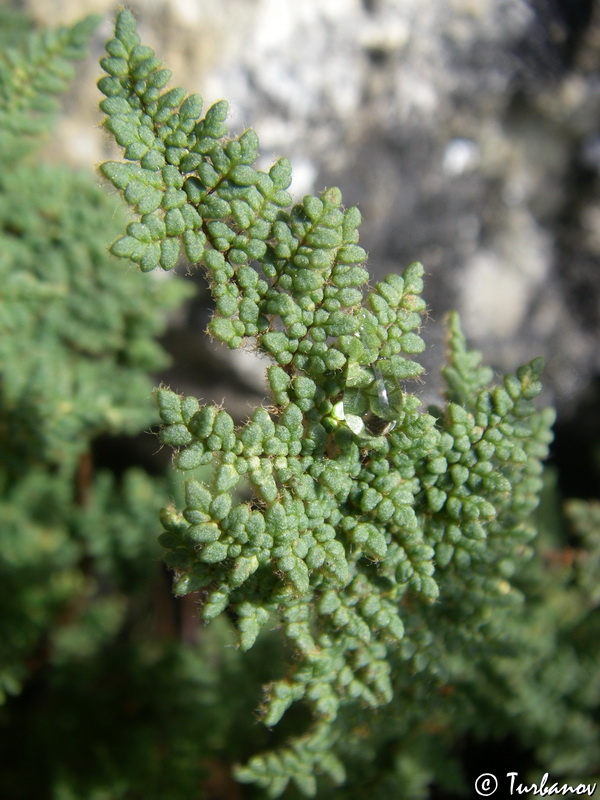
pixel 33 70
pixel 390 546
pixel 385 573
pixel 47 537
pixel 76 346
pixel 584 518
pixel 79 566
pixel 76 331
pixel 72 322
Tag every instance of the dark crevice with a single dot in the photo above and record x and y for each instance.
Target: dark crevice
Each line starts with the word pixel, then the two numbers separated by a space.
pixel 553 39
pixel 576 447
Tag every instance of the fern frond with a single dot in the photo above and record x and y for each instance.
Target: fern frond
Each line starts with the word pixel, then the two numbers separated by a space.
pixel 32 75
pixel 348 533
